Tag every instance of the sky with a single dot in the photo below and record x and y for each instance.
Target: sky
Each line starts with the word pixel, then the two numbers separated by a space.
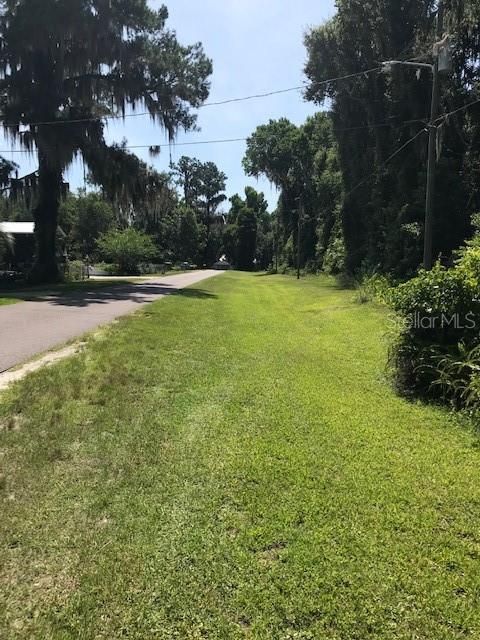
pixel 256 46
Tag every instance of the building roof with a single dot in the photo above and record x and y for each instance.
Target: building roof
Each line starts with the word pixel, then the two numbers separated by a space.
pixel 17 228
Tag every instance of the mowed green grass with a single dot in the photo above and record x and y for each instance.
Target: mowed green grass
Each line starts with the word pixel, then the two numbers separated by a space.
pixel 232 463
pixel 5 301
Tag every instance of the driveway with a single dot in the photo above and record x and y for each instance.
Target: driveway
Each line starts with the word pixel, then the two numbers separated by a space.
pixel 30 328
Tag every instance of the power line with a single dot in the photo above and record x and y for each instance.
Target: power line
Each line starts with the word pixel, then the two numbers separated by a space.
pixel 383 124
pixel 389 159
pixel 152 146
pixel 423 130
pixel 169 145
pixel 452 113
pixel 202 106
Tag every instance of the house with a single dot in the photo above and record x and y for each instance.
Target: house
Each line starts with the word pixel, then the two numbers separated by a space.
pixel 22 246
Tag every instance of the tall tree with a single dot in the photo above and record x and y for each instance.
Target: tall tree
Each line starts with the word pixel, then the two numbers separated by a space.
pixel 203 185
pixel 65 64
pixel 189 235
pixel 301 162
pixel 248 237
pixel 375 114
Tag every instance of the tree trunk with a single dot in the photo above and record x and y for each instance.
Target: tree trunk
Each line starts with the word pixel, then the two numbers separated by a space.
pixel 45 268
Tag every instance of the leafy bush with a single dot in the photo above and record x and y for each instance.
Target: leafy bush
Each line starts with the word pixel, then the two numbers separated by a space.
pixel 335 256
pixel 127 249
pixel 436 349
pixel 457 376
pixel 75 271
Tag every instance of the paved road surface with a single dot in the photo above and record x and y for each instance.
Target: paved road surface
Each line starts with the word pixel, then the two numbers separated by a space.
pixel 30 328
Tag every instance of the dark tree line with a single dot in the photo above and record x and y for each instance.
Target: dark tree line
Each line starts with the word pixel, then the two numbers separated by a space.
pixel 302 162
pixel 176 217
pixel 382 209
pixel 359 207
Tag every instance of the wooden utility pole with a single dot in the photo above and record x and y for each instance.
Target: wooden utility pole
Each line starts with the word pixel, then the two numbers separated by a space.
pixel 432 151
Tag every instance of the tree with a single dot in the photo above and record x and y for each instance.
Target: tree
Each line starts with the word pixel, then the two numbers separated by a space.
pixel 301 162
pixel 65 64
pixel 374 115
pixel 246 238
pixel 84 218
pixel 248 235
pixel 203 186
pixel 189 248
pixel 7 246
pixel 127 249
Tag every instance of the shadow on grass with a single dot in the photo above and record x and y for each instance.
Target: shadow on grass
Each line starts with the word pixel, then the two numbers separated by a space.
pixel 267 274
pixel 199 294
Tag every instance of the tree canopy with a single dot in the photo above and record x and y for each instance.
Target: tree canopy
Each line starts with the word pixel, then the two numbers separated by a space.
pixel 67 64
pixel 375 114
pixel 203 186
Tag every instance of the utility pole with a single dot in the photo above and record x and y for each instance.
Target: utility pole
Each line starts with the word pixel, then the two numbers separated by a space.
pixel 432 150
pixel 299 237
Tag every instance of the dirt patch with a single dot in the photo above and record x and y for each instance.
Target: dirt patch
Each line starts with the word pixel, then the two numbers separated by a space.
pixel 9 377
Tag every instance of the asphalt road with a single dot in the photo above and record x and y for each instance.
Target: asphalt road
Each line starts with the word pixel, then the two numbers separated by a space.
pixel 31 328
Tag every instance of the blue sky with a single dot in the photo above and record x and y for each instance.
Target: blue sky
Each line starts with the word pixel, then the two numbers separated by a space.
pixel 256 46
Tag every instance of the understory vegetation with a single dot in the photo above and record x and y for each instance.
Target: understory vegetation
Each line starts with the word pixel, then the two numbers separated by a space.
pixel 214 478
pixel 436 353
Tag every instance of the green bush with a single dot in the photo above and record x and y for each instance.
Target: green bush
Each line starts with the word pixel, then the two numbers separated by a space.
pixel 75 271
pixel 439 322
pixel 335 256
pixel 127 249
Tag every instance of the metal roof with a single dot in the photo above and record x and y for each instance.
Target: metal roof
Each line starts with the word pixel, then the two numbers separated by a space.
pixel 17 228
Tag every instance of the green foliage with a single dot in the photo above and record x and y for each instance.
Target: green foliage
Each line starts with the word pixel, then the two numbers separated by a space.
pixel 333 258
pixel 84 218
pixel 440 320
pixel 87 59
pixel 189 248
pixel 75 271
pixel 248 236
pixel 457 376
pixel 203 187
pixel 302 163
pixel 7 246
pixel 375 114
pixel 374 288
pixel 127 249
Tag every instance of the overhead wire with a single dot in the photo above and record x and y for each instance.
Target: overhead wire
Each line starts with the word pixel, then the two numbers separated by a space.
pixel 387 161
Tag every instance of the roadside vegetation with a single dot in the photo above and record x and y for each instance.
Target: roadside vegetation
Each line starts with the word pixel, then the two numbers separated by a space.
pixel 246 471
pixel 254 457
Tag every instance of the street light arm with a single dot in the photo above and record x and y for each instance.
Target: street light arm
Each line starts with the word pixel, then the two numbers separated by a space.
pixel 417 65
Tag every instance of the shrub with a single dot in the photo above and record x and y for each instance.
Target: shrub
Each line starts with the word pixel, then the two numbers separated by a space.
pixel 127 249
pixel 335 256
pixel 374 288
pixel 75 271
pixel 439 314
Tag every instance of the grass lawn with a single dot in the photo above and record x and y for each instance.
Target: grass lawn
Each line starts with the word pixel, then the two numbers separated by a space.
pixel 5 301
pixel 231 463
